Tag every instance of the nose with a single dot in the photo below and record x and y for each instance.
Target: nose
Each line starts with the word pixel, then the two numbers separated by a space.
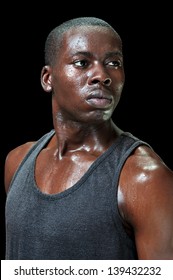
pixel 100 75
pixel 107 82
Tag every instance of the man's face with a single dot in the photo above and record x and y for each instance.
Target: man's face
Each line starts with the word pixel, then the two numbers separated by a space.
pixel 88 56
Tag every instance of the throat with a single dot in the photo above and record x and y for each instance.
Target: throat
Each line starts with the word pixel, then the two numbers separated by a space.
pixel 61 151
pixel 66 150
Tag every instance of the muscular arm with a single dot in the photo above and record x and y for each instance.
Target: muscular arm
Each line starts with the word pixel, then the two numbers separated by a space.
pixel 13 161
pixel 146 203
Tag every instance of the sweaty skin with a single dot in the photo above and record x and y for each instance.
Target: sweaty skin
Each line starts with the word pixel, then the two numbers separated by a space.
pixel 83 102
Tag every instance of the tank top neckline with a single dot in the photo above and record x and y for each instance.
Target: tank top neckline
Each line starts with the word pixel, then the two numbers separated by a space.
pixel 79 183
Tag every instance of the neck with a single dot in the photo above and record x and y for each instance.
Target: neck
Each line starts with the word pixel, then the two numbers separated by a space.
pixel 73 137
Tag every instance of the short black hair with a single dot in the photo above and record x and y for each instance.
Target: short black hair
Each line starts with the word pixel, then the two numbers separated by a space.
pixel 54 38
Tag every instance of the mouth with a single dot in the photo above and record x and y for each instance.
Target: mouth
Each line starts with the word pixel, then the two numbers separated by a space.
pixel 99 100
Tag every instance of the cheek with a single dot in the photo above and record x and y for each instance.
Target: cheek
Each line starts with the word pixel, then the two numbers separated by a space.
pixel 62 84
pixel 69 78
pixel 69 73
pixel 66 89
pixel 120 88
pixel 118 81
pixel 117 93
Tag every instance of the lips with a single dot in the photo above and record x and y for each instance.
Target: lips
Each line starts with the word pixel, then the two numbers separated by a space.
pixel 99 99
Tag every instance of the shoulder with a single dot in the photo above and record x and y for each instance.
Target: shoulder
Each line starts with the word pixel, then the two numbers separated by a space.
pixel 16 156
pixel 145 175
pixel 13 160
pixel 145 199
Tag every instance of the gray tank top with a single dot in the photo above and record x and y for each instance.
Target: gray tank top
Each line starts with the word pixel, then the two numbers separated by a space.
pixel 82 222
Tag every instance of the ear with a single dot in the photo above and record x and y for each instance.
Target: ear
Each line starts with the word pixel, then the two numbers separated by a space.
pixel 46 78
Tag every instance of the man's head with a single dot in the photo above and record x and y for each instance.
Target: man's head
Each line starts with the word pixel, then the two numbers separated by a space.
pixel 84 70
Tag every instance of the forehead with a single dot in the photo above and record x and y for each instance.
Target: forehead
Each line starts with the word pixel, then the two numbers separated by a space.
pixel 91 38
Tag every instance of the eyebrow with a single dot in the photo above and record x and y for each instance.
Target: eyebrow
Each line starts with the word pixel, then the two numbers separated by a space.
pixel 114 53
pixel 108 54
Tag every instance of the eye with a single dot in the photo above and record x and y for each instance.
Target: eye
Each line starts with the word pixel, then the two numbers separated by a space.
pixel 116 64
pixel 81 63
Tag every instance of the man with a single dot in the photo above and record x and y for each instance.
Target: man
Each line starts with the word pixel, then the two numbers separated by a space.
pixel 87 189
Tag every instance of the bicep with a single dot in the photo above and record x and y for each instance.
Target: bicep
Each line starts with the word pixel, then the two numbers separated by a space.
pixel 153 224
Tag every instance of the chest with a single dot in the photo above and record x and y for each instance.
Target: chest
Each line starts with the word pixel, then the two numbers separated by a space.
pixel 55 175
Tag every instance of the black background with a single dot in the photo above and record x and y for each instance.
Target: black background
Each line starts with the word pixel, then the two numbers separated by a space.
pixel 146 105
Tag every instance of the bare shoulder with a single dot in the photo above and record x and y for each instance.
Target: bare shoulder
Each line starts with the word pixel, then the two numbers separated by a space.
pixel 145 176
pixel 146 202
pixel 13 160
pixel 145 167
